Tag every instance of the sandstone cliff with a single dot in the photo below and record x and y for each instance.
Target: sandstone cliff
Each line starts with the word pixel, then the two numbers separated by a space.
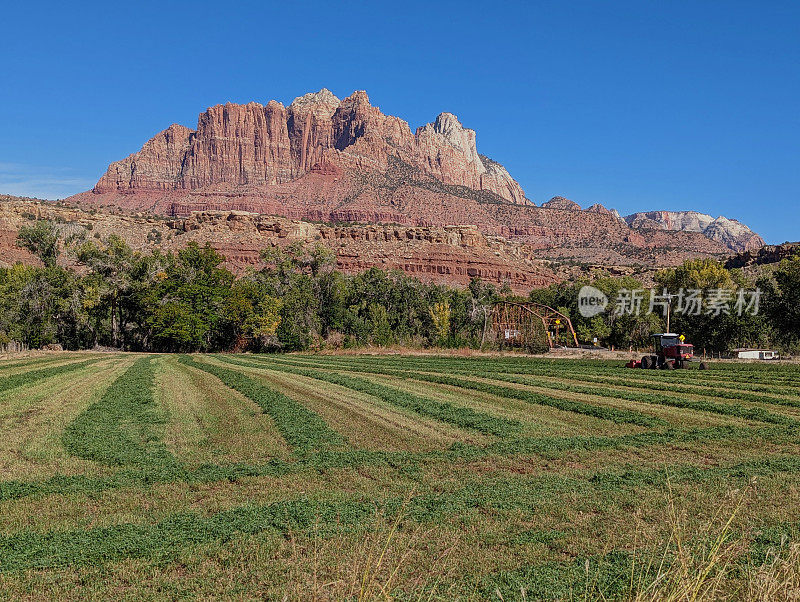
pixel 447 254
pixel 256 145
pixel 766 255
pixel 452 255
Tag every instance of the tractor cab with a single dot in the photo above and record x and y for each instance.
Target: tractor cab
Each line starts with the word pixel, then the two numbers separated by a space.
pixel 665 339
pixel 670 347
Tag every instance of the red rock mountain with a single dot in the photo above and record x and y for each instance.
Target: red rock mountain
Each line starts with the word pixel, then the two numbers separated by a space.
pixel 256 145
pixel 326 160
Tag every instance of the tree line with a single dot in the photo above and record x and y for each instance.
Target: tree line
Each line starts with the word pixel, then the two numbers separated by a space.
pixel 189 301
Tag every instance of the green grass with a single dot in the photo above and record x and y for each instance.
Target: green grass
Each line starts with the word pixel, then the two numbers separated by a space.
pixel 517 508
pixel 74 548
pixel 124 427
pixel 303 429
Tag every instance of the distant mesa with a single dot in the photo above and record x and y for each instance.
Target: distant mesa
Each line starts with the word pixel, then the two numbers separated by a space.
pixel 730 232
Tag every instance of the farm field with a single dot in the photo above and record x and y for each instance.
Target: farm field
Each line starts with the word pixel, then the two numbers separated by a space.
pixel 411 477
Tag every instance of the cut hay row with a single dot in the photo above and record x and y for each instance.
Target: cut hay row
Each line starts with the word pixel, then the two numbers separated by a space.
pixel 328 460
pixel 300 427
pixel 571 369
pixel 165 538
pixel 424 406
pixel 34 417
pixel 665 381
pixel 733 410
pixel 611 414
pixel 125 426
pixel 369 422
pixel 791 400
pixel 734 373
pixel 33 376
pixel 210 423
pixel 659 378
pixel 91 546
pixel 29 363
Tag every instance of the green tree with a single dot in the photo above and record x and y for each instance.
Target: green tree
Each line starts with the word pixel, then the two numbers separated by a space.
pixel 110 266
pixel 380 330
pixel 781 302
pixel 41 239
pixel 188 304
pixel 712 324
pixel 252 315
pixel 39 306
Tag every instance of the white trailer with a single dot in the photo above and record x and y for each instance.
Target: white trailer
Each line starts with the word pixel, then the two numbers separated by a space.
pixel 757 354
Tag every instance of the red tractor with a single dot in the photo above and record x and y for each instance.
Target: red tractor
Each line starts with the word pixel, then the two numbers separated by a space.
pixel 670 353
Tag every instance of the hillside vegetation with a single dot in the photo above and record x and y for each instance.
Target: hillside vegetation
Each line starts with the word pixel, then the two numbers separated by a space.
pixel 188 301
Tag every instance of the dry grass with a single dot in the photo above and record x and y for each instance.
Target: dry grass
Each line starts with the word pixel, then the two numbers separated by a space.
pixel 391 559
pixel 694 564
pixel 778 579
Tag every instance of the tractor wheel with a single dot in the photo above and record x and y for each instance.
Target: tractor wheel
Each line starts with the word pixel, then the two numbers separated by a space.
pixel 646 362
pixel 703 366
pixel 669 365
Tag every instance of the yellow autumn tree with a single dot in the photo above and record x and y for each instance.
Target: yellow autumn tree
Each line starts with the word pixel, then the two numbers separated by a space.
pixel 440 314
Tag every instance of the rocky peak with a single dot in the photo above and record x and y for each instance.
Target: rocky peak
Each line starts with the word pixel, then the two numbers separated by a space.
pixel 448 150
pixel 462 139
pixel 352 119
pixel 733 234
pixel 322 102
pixel 502 182
pixel 310 129
pixel 358 99
pixel 357 104
pixel 366 135
pixel 598 208
pixel 559 202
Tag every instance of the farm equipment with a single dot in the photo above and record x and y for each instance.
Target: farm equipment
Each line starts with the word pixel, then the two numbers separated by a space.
pixel 671 352
pixel 528 324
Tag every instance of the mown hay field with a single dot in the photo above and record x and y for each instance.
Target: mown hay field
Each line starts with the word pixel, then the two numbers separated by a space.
pixel 406 477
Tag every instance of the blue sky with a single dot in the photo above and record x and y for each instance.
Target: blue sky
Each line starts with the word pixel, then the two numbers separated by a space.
pixel 637 105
